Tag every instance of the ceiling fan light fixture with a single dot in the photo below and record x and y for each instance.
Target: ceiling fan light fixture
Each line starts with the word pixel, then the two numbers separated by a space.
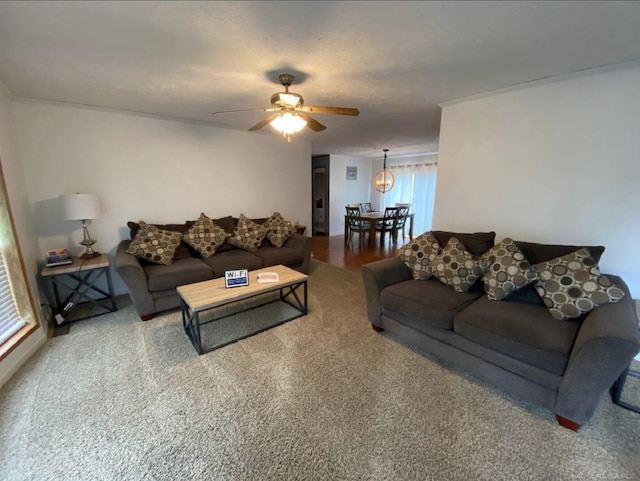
pixel 289 98
pixel 288 123
pixel 384 179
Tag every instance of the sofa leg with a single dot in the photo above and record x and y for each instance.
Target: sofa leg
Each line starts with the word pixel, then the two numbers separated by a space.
pixel 568 423
pixel 147 317
pixel 377 328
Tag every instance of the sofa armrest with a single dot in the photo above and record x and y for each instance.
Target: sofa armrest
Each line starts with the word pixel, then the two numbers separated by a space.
pixel 129 269
pixel 378 275
pixel 303 244
pixel 606 343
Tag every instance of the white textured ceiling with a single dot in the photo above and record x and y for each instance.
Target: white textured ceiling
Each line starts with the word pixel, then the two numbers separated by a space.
pixel 395 61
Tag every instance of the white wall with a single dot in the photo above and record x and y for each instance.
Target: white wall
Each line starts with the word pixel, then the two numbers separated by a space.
pixel 343 191
pixel 157 170
pixel 555 162
pixel 21 209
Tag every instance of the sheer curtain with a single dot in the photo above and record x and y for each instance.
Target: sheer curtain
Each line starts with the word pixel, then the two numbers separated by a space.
pixel 415 184
pixel 402 188
pixel 424 194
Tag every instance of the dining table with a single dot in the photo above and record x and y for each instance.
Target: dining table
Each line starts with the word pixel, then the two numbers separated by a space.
pixel 372 218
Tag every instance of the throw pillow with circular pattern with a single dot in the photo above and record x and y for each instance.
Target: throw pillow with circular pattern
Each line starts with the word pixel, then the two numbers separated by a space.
pixel 572 285
pixel 418 254
pixel 205 236
pixel 455 267
pixel 509 270
pixel 279 229
pixel 248 235
pixel 154 244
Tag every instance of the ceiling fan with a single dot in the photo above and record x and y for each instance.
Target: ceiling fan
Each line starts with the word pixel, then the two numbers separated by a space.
pixel 290 115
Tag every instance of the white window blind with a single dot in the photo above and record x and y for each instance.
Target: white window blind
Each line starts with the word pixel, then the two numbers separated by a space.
pixel 10 321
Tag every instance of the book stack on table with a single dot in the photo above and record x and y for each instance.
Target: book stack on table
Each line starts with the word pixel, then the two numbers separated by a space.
pixel 58 257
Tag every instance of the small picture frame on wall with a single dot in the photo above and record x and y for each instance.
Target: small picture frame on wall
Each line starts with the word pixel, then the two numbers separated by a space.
pixel 352 173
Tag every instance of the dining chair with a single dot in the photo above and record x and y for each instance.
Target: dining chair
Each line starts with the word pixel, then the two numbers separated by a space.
pixel 403 213
pixel 355 224
pixel 388 224
pixel 365 206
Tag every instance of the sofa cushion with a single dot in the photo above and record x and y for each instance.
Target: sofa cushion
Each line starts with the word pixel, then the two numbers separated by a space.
pixel 279 229
pixel 154 244
pixel 424 302
pixel 205 236
pixel 179 273
pixel 537 253
pixel 227 223
pixel 183 251
pixel 418 254
pixel 477 243
pixel 572 285
pixel 455 267
pixel 508 272
pixel 248 235
pixel 286 256
pixel 232 260
pixel 525 332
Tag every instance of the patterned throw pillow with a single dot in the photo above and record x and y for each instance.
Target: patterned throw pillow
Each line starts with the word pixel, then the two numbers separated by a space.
pixel 455 267
pixel 509 271
pixel 205 236
pixel 155 245
pixel 279 229
pixel 418 255
pixel 571 285
pixel 248 235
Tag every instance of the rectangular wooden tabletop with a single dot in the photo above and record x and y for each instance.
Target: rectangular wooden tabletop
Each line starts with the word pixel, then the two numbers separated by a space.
pixel 213 293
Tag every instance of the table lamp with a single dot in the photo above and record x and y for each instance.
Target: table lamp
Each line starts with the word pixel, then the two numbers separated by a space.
pixel 82 207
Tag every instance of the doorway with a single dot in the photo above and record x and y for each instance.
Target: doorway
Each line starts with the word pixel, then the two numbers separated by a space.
pixel 320 196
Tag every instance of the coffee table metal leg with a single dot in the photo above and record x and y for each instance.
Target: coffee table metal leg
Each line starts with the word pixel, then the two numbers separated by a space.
pixel 299 305
pixel 191 326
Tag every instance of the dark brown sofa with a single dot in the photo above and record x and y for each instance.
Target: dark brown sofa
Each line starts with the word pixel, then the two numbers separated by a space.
pixel 515 344
pixel 152 287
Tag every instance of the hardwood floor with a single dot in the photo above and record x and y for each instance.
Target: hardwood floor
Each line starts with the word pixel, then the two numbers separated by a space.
pixel 333 250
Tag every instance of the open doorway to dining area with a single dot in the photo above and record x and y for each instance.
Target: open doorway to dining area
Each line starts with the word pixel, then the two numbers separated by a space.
pixel 351 186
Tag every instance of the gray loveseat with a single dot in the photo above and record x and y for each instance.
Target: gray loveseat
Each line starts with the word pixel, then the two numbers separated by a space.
pixel 152 287
pixel 565 366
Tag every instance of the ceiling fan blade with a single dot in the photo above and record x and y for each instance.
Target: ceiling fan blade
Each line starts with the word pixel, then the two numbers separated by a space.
pixel 263 122
pixel 244 110
pixel 315 109
pixel 312 123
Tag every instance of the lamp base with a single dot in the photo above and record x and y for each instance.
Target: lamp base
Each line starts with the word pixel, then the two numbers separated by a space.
pixel 87 242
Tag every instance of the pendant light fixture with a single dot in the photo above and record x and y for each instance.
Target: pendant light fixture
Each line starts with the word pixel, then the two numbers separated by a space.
pixel 384 180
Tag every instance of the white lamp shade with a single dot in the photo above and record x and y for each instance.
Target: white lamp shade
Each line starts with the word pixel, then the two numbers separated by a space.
pixel 81 206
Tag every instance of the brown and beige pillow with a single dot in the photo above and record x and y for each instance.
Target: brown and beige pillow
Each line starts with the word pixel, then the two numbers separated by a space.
pixel 509 270
pixel 248 235
pixel 205 236
pixel 455 267
pixel 572 285
pixel 418 254
pixel 154 244
pixel 279 229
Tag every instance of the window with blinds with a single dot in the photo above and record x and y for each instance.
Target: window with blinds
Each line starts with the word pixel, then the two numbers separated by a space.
pixel 10 321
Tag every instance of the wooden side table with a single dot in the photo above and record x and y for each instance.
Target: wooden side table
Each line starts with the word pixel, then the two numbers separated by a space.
pixel 300 229
pixel 81 278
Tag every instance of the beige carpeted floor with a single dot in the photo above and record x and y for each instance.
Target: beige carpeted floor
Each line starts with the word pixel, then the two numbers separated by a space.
pixel 322 397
